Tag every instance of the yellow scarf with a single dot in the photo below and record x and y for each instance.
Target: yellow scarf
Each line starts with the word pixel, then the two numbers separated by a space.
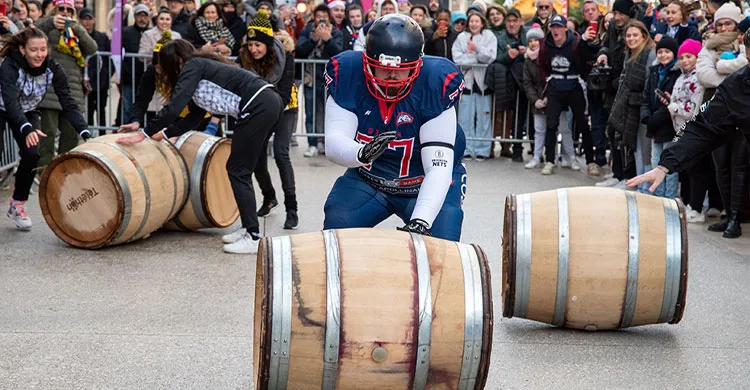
pixel 68 44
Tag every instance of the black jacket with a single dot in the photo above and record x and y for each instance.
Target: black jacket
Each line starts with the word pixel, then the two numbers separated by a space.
pixel 238 29
pixel 22 89
pixel 713 125
pixel 98 65
pixel 614 48
pixel 654 114
pixel 228 90
pixel 441 47
pixel 181 22
pixel 131 69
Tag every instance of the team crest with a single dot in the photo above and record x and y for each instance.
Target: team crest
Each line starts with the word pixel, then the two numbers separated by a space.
pixel 251 33
pixel 403 118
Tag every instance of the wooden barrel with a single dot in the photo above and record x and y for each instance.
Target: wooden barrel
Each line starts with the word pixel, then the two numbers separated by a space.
pixel 594 258
pixel 370 308
pixel 103 193
pixel 211 202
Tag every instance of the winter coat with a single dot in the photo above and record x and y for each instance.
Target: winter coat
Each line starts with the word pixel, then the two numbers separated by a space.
pixel 654 114
pixel 714 123
pixel 687 96
pixel 506 74
pixel 570 50
pixel 711 71
pixel 533 84
pixel 308 48
pixel 238 28
pixel 614 48
pixel 131 70
pixel 72 70
pixel 504 40
pixel 592 46
pixel 441 47
pixel 537 20
pixel 624 119
pixel 684 32
pixel 181 22
pixel 484 54
pixel 97 67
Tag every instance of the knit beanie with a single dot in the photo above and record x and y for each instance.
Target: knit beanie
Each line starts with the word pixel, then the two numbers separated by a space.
pixel 689 46
pixel 729 11
pixel 668 42
pixel 456 16
pixel 535 33
pixel 260 29
pixel 623 6
pixel 166 36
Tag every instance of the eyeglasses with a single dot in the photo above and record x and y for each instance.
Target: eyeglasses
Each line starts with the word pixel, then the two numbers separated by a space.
pixel 65 9
pixel 725 25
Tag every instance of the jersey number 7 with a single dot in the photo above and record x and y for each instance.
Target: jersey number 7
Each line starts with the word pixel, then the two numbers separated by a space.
pixel 407 145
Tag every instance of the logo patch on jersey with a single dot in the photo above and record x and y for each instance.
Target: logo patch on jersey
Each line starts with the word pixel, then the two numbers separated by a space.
pixel 439 154
pixel 403 118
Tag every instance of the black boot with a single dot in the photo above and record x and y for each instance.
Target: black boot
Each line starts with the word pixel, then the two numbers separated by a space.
pixel 734 229
pixel 721 225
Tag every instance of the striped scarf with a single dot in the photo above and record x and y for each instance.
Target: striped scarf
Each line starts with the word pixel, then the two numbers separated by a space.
pixel 68 44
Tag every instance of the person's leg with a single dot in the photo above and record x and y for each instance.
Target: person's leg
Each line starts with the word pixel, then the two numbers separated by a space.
pixel 643 156
pixel 521 114
pixel 540 130
pixel 482 108
pixel 567 149
pixel 29 160
pixel 354 203
pixel 91 108
pixel 309 113
pixel 263 177
pixel 101 109
pixel 578 107
pixel 49 123
pixel 740 168
pixel 127 97
pixel 68 135
pixel 555 106
pixel 598 117
pixel 281 143
pixel 466 120
pixel 722 157
pixel 714 197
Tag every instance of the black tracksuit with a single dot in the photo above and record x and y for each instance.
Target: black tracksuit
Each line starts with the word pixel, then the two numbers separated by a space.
pixel 22 89
pixel 223 89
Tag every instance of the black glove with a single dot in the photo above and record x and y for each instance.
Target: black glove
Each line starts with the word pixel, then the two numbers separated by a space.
pixel 416 226
pixel 85 134
pixel 371 151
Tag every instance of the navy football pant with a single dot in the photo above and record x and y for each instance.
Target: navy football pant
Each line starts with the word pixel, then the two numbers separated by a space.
pixel 353 203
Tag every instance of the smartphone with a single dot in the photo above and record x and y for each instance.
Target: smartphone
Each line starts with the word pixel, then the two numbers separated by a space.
pixel 661 94
pixel 442 24
pixel 594 25
pixel 3 9
pixel 322 21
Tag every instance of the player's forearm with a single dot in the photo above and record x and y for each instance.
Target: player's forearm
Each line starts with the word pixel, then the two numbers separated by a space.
pixel 340 130
pixel 438 166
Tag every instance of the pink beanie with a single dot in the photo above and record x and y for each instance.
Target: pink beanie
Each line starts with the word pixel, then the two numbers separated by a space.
pixel 689 46
pixel 63 2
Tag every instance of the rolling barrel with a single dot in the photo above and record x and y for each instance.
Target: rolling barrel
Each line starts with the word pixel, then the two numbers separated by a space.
pixel 370 308
pixel 102 193
pixel 211 202
pixel 594 258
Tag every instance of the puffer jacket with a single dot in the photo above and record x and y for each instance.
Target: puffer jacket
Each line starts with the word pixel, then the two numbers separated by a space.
pixel 711 72
pixel 72 70
pixel 484 54
pixel 506 75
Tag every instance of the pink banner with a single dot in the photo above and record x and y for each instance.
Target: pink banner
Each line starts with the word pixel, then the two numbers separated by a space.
pixel 117 51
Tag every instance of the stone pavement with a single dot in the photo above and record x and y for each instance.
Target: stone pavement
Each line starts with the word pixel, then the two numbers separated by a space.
pixel 173 311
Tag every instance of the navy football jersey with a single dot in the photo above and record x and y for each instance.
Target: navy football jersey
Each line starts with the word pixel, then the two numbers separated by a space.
pixel 439 86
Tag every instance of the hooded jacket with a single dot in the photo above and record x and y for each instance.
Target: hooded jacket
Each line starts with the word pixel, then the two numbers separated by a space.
pixel 484 54
pixel 22 89
pixel 566 61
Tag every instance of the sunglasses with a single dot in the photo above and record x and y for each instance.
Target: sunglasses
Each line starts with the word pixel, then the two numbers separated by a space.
pixel 65 9
pixel 544 7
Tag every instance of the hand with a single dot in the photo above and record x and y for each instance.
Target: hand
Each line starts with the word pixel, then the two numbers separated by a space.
pixel 417 226
pixel 59 22
pixel 522 50
pixel 589 34
pixel 512 53
pixel 158 136
pixel 472 46
pixel 658 37
pixel 223 49
pixel 372 150
pixel 545 102
pixel 208 47
pixel 131 139
pixel 441 32
pixel 655 176
pixel 129 127
pixel 665 101
pixel 539 104
pixel 602 60
pixel 650 10
pixel 5 21
pixel 33 138
pixel 325 32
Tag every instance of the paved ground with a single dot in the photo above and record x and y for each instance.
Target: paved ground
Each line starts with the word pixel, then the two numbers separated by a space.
pixel 174 312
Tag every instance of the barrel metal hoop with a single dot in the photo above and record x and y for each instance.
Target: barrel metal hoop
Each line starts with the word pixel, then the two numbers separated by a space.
pixel 674 260
pixel 174 179
pixel 631 288
pixel 333 311
pixel 425 312
pixel 184 138
pixel 563 253
pixel 281 320
pixel 196 174
pixel 473 330
pixel 523 256
pixel 181 159
pixel 126 195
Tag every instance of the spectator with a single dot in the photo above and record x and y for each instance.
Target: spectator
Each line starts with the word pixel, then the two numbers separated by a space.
pixel 544 11
pixel 476 7
pixel 159 34
pixel 403 6
pixel 319 40
pixel 274 62
pixel 458 21
pixel 79 5
pixel 180 16
pixel 440 42
pixel 47 7
pixel 234 22
pixel 209 31
pixel 338 13
pixel 476 46
pixel 561 61
pixel 371 15
pixel 496 18
pixel 722 55
pixel 69 44
pixel 654 113
pixel 21 14
pixel 132 71
pixel 678 25
pixel 624 120
pixel 508 82
pixel 265 5
pixel 7 26
pixel 190 7
pixel 534 87
pixel 292 22
pixel 421 15
pixel 434 6
pixel 387 7
pixel 593 38
pixel 97 71
pixel 573 24
pixel 353 27
pixel 35 10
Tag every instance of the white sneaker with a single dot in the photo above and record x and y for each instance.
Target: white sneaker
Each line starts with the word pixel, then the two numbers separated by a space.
pixel 713 212
pixel 312 151
pixel 321 148
pixel 245 245
pixel 574 164
pixel 695 217
pixel 532 164
pixel 548 168
pixel 608 182
pixel 621 185
pixel 233 237
pixel 593 169
pixel 565 162
pixel 609 176
pixel 17 213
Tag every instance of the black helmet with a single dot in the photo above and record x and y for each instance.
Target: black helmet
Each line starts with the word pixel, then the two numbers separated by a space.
pixel 394 42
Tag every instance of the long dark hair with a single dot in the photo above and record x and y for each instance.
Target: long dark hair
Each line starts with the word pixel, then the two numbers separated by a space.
pixel 13 42
pixel 202 9
pixel 169 63
pixel 264 66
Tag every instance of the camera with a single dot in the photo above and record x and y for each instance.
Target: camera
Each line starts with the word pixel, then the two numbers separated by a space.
pixel 600 78
pixel 515 45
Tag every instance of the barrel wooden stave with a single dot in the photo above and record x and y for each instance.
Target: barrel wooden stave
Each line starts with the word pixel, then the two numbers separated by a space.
pixel 379 308
pixel 140 191
pixel 597 273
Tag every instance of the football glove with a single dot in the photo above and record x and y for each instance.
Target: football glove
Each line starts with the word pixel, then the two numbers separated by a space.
pixel 417 226
pixel 372 150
